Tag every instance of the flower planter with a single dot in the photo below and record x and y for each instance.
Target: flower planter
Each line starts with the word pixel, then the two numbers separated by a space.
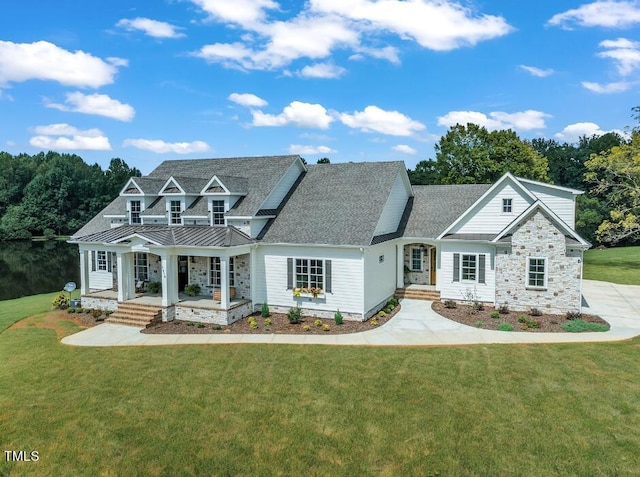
pixel 217 293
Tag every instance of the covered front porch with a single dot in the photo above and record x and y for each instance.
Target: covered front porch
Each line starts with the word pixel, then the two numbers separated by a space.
pixel 417 264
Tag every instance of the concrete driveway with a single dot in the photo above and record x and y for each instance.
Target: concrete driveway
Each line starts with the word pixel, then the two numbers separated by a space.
pixel 414 325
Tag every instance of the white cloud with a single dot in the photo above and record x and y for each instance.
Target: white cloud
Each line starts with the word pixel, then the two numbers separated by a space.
pixel 98 104
pixel 625 53
pixel 152 28
pixel 322 70
pixel 42 60
pixel 405 149
pixel 373 118
pixel 247 99
pixel 231 55
pixel 602 13
pixel 62 136
pixel 437 25
pixel 573 132
pixel 389 53
pixel 540 73
pixel 161 147
pixel 302 115
pixel 309 150
pixel 523 120
pixel 242 12
pixel 615 87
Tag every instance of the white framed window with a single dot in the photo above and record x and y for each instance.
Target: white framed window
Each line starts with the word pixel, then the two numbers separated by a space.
pixel 469 267
pixel 175 211
pixel 217 212
pixel 100 261
pixel 537 272
pixel 309 273
pixel 134 212
pixel 416 259
pixel 141 267
pixel 507 206
pixel 215 274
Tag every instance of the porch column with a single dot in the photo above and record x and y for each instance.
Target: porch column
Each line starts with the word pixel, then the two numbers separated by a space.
pixel 169 280
pixel 224 282
pixel 126 287
pixel 400 266
pixel 84 272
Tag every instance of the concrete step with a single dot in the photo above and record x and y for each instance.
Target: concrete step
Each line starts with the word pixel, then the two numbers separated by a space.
pixel 416 294
pixel 135 314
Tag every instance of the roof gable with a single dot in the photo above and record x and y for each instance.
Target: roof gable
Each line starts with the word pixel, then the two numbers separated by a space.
pixel 172 187
pixel 131 188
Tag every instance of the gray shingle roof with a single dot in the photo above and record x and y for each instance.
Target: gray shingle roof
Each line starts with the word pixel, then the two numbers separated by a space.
pixel 191 185
pixel 235 184
pixel 157 208
pixel 165 235
pixel 435 207
pixel 335 204
pixel 198 208
pixel 149 185
pixel 261 174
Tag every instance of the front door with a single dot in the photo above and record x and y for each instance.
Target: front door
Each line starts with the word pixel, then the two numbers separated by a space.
pixel 183 272
pixel 432 265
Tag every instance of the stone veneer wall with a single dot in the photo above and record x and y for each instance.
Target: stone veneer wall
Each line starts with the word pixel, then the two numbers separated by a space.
pixel 98 303
pixel 310 312
pixel 418 278
pixel 219 317
pixel 539 237
pixel 199 273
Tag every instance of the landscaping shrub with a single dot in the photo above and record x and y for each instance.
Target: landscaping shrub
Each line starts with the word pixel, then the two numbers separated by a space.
pixel 522 319
pixel 450 304
pixel 306 327
pixel 505 327
pixel 374 321
pixel 382 314
pixel 318 323
pixel 192 290
pixel 495 315
pixel 503 309
pixel 154 287
pixel 71 310
pixel 61 301
pixel 578 326
pixel 535 312
pixel 253 325
pixel 96 313
pixel 264 311
pixel 338 318
pixel 200 325
pixel 294 315
pixel 393 302
pixel 268 322
pixel 533 324
pixel 326 327
pixel 479 324
pixel 573 315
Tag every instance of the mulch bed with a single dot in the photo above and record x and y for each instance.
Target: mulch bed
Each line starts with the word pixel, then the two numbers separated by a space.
pixel 548 323
pixel 279 325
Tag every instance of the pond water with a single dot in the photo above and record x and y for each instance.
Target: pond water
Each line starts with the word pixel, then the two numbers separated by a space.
pixel 31 268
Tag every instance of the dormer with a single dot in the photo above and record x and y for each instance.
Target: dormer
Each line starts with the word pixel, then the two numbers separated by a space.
pixel 222 193
pixel 171 187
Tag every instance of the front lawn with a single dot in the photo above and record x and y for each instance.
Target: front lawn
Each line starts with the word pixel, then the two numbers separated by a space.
pixel 617 265
pixel 318 410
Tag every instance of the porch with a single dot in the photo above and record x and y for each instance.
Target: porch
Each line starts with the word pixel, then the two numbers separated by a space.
pixel 419 292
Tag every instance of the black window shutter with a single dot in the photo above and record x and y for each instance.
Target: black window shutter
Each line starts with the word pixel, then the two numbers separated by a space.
pixel 289 273
pixel 456 267
pixel 93 260
pixel 327 276
pixel 481 267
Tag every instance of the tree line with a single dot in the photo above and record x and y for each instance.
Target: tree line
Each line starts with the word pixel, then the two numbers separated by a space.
pixel 50 194
pixel 606 167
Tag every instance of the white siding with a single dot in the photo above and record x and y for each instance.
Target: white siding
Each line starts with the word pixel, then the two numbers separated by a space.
pixel 283 187
pixel 256 226
pixel 270 277
pixel 393 209
pixel 100 280
pixel 489 218
pixel 379 278
pixel 450 290
pixel 562 203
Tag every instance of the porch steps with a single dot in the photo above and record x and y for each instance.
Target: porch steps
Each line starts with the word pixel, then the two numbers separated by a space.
pixel 418 294
pixel 136 314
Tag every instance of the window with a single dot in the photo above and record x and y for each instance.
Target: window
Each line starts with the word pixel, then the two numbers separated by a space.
pixel 217 211
pixel 507 206
pixel 141 267
pixel 416 259
pixel 175 208
pixel 469 267
pixel 536 268
pixel 215 274
pixel 100 261
pixel 134 214
pixel 309 273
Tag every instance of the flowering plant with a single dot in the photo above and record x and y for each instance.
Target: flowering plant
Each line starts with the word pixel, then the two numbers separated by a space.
pixel 315 291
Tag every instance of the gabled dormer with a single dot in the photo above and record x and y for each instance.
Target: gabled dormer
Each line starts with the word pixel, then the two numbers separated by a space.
pixel 171 187
pixel 222 193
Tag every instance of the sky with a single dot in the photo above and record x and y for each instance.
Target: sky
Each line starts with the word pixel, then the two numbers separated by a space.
pixel 351 80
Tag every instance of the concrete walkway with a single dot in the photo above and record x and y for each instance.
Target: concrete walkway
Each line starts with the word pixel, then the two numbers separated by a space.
pixel 414 325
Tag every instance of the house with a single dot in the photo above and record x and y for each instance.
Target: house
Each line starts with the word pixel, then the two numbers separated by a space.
pixel 327 237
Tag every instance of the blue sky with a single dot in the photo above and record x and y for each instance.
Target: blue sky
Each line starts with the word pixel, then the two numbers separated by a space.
pixel 351 80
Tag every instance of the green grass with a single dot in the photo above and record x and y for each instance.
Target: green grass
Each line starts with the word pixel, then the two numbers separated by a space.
pixel 570 410
pixel 617 265
pixel 578 326
pixel 15 310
